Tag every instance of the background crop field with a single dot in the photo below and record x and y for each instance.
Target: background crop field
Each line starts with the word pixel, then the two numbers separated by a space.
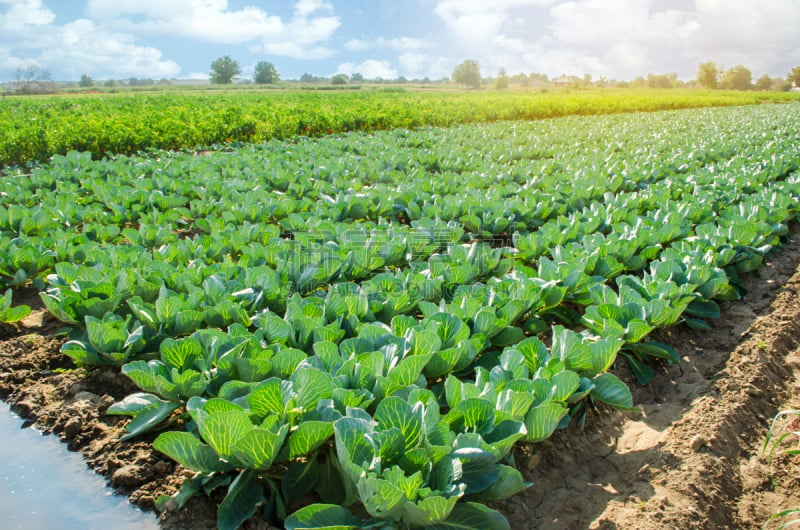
pixel 35 128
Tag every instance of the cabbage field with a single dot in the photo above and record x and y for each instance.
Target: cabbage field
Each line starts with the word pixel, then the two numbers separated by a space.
pixel 34 129
pixel 355 331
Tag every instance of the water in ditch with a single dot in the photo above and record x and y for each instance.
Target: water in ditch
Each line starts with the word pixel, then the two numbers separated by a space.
pixel 44 486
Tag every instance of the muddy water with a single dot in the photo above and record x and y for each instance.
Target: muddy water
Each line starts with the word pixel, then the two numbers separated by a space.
pixel 43 486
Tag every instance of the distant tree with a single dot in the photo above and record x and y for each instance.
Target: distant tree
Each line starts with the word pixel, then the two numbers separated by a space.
pixel 794 76
pixel 339 79
pixel 356 78
pixel 86 81
pixel 539 78
pixel 133 81
pixel 737 78
pixel 224 69
pixel 662 80
pixel 33 80
pixel 520 79
pixel 708 75
pixel 764 83
pixel 110 83
pixel 265 74
pixel 468 73
pixel 501 81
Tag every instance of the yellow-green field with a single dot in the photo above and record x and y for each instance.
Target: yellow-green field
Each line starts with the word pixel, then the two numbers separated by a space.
pixel 35 128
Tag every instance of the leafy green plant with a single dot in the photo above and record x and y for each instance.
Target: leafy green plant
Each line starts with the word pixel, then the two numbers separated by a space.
pixel 9 313
pixel 112 340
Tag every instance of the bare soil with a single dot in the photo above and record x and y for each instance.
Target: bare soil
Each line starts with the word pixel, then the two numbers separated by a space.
pixel 692 458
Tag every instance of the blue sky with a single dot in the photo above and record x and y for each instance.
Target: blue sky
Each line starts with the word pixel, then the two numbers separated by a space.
pixel 618 39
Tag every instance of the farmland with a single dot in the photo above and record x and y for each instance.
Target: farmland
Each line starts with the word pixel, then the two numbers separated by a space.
pixel 34 129
pixel 394 321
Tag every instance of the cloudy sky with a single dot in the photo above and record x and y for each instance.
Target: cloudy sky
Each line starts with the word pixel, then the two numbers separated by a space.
pixel 619 39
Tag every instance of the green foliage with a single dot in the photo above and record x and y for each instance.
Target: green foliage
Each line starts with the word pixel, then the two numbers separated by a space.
pixel 10 313
pixel 737 78
pixel 376 321
pixel 794 76
pixel 37 129
pixel 265 73
pixel 224 70
pixel 764 83
pixel 708 75
pixel 501 82
pixel 468 73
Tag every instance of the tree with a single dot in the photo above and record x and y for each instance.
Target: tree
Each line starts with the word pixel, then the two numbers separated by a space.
pixel 339 79
pixel 86 81
pixel 224 69
pixel 708 75
pixel 520 79
pixel 32 80
pixel 266 74
pixel 662 80
pixel 468 73
pixel 539 78
pixel 356 78
pixel 737 78
pixel 764 83
pixel 794 76
pixel 501 81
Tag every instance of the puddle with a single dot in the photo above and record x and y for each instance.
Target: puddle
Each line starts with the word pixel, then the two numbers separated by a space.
pixel 44 486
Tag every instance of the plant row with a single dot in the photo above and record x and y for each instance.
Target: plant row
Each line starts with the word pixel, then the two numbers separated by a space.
pixel 35 129
pixel 378 346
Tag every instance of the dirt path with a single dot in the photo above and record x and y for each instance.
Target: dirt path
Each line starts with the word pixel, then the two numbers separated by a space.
pixel 691 459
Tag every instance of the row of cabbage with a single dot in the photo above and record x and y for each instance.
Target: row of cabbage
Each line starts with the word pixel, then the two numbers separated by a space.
pixel 428 187
pixel 393 359
pixel 34 129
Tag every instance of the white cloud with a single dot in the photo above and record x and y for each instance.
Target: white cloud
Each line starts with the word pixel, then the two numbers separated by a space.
pixel 763 37
pixel 207 20
pixel 622 38
pixel 419 65
pixel 213 21
pixel 403 43
pixel 632 37
pixel 304 8
pixel 301 38
pixel 84 48
pixel 22 17
pixel 478 21
pixel 26 12
pixel 9 62
pixel 370 69
pixel 30 36
pixel 356 45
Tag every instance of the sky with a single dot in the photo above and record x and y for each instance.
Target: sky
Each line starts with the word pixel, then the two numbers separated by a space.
pixel 178 39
